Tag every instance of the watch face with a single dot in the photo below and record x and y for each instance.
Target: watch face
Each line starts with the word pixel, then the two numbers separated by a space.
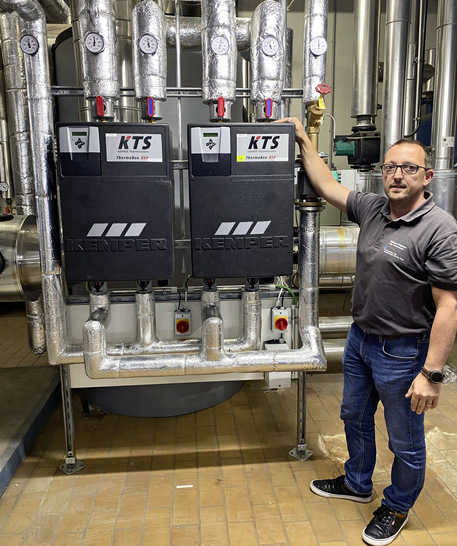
pixel 436 377
pixel 94 42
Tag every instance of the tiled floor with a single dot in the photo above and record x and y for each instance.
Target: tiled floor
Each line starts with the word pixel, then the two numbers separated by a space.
pixel 221 476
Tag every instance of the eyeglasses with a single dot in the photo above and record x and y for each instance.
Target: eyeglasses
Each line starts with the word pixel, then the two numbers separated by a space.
pixel 406 168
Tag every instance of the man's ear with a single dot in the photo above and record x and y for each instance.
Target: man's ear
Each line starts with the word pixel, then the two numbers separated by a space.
pixel 428 177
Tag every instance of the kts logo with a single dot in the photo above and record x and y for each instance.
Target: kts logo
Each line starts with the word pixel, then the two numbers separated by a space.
pixel 134 142
pixel 264 142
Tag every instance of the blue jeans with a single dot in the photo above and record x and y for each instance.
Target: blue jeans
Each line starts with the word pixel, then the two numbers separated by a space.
pixel 376 369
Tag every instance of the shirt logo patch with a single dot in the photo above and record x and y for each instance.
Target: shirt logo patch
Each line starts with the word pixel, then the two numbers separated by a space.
pixel 399 248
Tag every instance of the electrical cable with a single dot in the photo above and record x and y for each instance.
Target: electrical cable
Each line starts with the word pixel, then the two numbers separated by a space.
pixel 284 287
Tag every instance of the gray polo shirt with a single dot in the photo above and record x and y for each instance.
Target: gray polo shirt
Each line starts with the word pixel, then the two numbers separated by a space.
pixel 398 261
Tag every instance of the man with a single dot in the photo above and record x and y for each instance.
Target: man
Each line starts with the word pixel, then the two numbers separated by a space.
pixel 405 317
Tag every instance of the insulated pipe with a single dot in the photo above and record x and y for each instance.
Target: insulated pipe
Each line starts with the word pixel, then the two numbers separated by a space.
pixel 56 11
pixel 444 98
pixel 39 102
pixel 18 114
pixel 219 57
pixel 190 32
pixel 97 28
pixel 365 62
pixel 335 325
pixel 338 249
pixel 398 13
pixel 213 358
pixel 149 54
pixel 415 67
pixel 315 32
pixel 5 158
pixel 35 326
pixel 268 59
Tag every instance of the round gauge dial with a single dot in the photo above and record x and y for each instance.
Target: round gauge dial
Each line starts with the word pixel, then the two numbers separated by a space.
pixel 4 186
pixel 94 42
pixel 220 45
pixel 29 44
pixel 148 44
pixel 270 46
pixel 318 45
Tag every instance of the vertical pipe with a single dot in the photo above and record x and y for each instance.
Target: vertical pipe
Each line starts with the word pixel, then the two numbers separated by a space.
pixel 444 98
pixel 398 14
pixel 365 61
pixel 414 67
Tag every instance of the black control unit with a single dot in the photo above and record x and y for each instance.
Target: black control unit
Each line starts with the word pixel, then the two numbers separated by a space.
pixel 115 198
pixel 241 180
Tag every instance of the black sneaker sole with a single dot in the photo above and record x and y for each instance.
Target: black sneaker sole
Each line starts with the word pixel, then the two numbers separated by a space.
pixel 383 541
pixel 354 497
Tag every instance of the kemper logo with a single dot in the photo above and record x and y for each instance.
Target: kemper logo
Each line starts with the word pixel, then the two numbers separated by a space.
pixel 116 230
pixel 264 142
pixel 241 236
pixel 116 237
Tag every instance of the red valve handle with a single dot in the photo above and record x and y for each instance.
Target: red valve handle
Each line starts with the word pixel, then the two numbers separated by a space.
pixel 281 324
pixel 323 88
pixel 220 107
pixel 100 106
pixel 182 326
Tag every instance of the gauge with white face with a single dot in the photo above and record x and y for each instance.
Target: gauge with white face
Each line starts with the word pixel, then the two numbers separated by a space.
pixel 318 45
pixel 29 44
pixel 4 186
pixel 148 44
pixel 270 46
pixel 94 42
pixel 220 45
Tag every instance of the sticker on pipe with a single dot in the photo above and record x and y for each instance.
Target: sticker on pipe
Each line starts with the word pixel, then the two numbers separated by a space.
pixel 136 147
pixel 264 147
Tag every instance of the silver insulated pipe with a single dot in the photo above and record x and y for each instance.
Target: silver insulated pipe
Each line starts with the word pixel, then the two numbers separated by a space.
pixel 219 57
pixel 99 54
pixel 268 60
pixel 315 48
pixel 444 107
pixel 149 54
pixel 365 61
pixel 398 14
pixel 56 11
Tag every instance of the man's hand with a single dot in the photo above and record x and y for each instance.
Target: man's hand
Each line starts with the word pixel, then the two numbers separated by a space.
pixel 424 394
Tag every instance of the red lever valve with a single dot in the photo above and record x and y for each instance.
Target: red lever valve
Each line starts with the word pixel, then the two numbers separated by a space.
pixel 323 88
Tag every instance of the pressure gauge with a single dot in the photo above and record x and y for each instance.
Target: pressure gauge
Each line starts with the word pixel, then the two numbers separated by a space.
pixel 318 46
pixel 270 46
pixel 148 44
pixel 220 45
pixel 29 44
pixel 4 186
pixel 94 42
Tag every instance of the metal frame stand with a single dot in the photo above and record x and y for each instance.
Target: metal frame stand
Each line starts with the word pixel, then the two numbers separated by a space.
pixel 71 464
pixel 301 452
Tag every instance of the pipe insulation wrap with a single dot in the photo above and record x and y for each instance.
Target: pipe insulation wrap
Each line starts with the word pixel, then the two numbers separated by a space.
pixel 99 71
pixel 150 70
pixel 56 11
pixel 316 13
pixel 267 71
pixel 18 114
pixel 219 64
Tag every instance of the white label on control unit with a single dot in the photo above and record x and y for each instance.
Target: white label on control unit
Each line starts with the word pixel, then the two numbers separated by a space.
pixel 79 140
pixel 137 147
pixel 263 147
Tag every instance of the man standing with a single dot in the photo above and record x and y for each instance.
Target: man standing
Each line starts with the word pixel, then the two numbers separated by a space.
pixel 405 320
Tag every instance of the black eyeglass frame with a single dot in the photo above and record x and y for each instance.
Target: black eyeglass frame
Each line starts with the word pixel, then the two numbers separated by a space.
pixel 401 167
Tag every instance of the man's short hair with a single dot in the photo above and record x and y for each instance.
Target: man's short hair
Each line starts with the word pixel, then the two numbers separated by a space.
pixel 427 155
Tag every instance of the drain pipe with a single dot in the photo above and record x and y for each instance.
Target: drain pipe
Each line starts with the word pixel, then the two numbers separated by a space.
pixel 398 14
pixel 149 56
pixel 219 53
pixel 268 59
pixel 99 55
pixel 444 106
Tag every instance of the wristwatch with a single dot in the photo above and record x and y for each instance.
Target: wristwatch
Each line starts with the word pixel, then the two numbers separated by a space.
pixel 434 376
